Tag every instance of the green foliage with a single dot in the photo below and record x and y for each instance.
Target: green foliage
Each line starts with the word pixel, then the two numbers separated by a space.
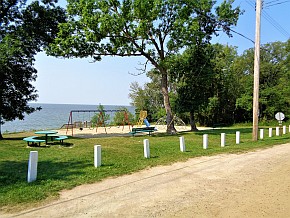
pixel 24 31
pixel 274 81
pixel 205 83
pixel 148 97
pixel 121 119
pixel 101 116
pixel 62 168
pixel 154 29
pixel 212 84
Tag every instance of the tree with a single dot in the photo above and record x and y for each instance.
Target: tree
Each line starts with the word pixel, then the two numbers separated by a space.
pixel 225 86
pixel 154 29
pixel 274 81
pixel 101 116
pixel 24 31
pixel 148 97
pixel 193 72
pixel 206 83
pixel 121 119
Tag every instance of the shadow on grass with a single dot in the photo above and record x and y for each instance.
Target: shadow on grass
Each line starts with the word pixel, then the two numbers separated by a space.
pixel 47 170
pixel 13 139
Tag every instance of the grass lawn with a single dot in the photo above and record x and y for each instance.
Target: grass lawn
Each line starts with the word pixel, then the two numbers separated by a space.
pixel 64 167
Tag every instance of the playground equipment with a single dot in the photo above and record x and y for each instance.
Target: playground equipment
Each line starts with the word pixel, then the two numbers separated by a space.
pixel 178 123
pixel 142 119
pixel 88 124
pixel 142 116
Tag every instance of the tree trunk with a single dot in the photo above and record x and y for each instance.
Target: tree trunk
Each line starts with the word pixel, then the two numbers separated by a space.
pixel 192 122
pixel 169 116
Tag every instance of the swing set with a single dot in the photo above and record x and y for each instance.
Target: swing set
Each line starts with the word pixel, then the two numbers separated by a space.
pixel 100 120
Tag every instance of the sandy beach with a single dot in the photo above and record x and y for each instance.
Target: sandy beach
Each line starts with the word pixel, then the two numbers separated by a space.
pixel 115 131
pixel 253 184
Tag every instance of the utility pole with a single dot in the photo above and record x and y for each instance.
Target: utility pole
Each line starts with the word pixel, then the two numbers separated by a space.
pixel 256 72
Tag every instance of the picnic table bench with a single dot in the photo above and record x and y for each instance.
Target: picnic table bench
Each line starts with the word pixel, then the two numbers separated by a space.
pixel 145 129
pixel 60 138
pixel 33 139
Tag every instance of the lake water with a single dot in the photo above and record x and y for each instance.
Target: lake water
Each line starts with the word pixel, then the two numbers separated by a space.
pixel 54 116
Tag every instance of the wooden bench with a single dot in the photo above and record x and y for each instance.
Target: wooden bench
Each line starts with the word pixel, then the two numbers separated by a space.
pixel 145 129
pixel 33 139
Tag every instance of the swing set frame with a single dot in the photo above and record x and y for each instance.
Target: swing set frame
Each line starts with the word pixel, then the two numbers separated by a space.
pixel 101 120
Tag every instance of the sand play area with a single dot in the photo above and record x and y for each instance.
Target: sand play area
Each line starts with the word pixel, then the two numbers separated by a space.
pixel 111 131
pixel 253 184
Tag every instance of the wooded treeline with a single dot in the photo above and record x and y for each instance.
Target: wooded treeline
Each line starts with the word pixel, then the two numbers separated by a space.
pixel 212 84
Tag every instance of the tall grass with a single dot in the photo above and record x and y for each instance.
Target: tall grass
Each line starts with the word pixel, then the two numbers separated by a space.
pixel 66 166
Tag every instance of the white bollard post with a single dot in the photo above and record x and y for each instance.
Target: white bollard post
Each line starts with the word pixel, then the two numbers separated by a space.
pixel 32 166
pixel 238 134
pixel 205 141
pixel 284 130
pixel 146 148
pixel 261 133
pixel 223 139
pixel 182 144
pixel 270 132
pixel 97 155
pixel 277 131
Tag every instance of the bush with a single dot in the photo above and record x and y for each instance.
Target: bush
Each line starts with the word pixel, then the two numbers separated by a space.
pixel 120 119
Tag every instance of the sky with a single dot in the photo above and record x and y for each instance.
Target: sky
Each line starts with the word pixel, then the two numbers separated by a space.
pixel 79 81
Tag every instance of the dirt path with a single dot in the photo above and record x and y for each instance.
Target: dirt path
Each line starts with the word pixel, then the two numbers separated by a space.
pixel 254 184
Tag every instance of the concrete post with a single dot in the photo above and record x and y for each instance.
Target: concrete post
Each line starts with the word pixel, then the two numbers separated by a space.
pixel 32 166
pixel 97 155
pixel 238 135
pixel 270 132
pixel 205 141
pixel 277 131
pixel 261 133
pixel 223 139
pixel 146 148
pixel 182 144
pixel 284 130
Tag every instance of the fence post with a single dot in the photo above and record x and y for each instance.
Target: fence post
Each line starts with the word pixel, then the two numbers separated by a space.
pixel 32 166
pixel 270 132
pixel 238 134
pixel 97 155
pixel 284 130
pixel 205 141
pixel 277 131
pixel 261 133
pixel 146 148
pixel 223 139
pixel 182 144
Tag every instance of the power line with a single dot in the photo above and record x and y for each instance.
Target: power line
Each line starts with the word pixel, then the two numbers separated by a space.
pixel 268 4
pixel 243 36
pixel 274 23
